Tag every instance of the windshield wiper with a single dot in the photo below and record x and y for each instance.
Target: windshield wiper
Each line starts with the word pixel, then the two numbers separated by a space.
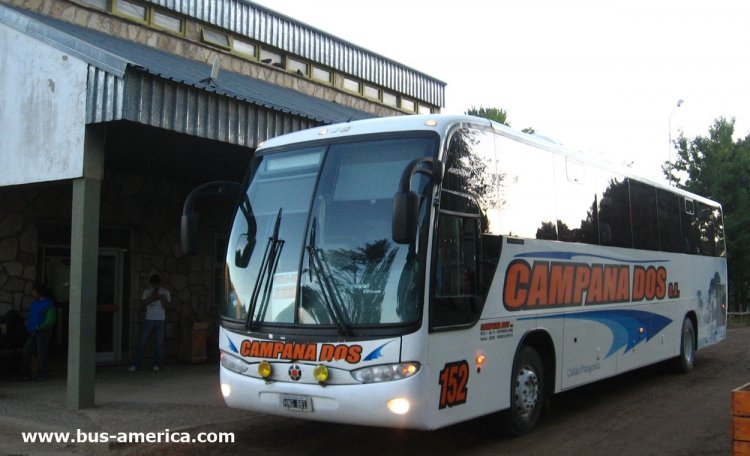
pixel 268 266
pixel 328 289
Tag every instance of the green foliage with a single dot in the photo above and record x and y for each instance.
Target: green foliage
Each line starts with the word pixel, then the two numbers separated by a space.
pixel 496 114
pixel 718 167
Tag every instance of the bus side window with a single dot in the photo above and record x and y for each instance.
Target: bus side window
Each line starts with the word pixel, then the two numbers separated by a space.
pixel 721 249
pixel 690 233
pixel 668 212
pixel 470 191
pixel 643 214
pixel 614 210
pixel 706 229
pixel 575 198
pixel 456 279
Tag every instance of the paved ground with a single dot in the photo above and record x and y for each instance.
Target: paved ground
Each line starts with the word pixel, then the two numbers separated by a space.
pixel 179 398
pixel 647 412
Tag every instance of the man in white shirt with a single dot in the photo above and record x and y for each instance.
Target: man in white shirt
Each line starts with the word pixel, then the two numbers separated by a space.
pixel 155 299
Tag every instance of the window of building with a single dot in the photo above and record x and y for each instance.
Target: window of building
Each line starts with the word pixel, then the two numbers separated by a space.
pixel 407 105
pixel 371 92
pixel 321 74
pixel 351 85
pixel 390 99
pixel 98 4
pixel 270 57
pixel 424 109
pixel 296 66
pixel 216 38
pixel 167 22
pixel 130 9
pixel 244 48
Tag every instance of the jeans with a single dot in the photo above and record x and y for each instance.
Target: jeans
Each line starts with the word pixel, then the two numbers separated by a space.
pixel 158 328
pixel 36 343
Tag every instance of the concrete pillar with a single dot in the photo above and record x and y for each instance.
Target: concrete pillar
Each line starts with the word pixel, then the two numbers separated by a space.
pixel 84 259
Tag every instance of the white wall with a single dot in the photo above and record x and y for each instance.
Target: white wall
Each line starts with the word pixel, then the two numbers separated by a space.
pixel 42 111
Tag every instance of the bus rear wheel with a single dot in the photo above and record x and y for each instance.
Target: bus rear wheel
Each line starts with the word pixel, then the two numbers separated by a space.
pixel 686 360
pixel 527 393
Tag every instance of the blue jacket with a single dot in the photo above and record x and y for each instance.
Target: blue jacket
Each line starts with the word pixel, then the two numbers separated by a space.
pixel 41 315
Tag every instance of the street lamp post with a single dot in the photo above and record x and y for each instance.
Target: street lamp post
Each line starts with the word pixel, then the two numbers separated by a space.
pixel 679 103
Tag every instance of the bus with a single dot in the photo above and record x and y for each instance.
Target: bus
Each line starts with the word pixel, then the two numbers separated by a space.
pixel 420 271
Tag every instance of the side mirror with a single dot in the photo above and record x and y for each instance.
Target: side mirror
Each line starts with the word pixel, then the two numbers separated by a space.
pixel 190 220
pixel 406 202
pixel 405 217
pixel 189 229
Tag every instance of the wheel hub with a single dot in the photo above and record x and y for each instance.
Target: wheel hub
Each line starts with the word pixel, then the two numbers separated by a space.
pixel 527 391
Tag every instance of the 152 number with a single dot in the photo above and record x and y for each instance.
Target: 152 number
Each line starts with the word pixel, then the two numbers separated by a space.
pixel 453 380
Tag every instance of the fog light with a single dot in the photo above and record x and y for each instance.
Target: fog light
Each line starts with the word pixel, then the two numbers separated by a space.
pixel 320 373
pixel 264 369
pixel 399 406
pixel 226 390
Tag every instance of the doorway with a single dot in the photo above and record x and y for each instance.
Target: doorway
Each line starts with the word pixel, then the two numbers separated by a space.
pixel 109 298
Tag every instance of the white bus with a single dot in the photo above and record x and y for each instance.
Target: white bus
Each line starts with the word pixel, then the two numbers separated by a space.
pixel 420 271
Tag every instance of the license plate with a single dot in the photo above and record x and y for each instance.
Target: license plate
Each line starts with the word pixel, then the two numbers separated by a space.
pixel 296 403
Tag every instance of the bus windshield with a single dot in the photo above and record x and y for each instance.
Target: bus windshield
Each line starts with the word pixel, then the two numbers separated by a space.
pixel 311 241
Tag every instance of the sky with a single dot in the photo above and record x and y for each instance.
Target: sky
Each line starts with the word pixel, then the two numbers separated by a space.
pixel 603 77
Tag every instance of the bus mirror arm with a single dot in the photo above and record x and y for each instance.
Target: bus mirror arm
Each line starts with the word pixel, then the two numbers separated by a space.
pixel 406 201
pixel 190 220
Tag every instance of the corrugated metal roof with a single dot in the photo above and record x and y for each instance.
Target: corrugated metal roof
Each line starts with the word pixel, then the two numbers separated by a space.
pixel 113 55
pixel 285 33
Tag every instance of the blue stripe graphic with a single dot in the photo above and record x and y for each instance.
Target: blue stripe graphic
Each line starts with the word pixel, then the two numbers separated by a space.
pixel 629 327
pixel 570 255
pixel 232 346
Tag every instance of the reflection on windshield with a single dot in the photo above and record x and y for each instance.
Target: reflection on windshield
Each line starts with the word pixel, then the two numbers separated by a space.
pixel 338 266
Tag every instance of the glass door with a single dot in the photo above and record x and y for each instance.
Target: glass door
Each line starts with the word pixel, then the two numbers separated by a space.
pixel 109 306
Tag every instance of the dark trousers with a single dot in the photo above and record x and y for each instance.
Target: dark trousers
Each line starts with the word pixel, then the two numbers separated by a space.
pixel 36 344
pixel 158 327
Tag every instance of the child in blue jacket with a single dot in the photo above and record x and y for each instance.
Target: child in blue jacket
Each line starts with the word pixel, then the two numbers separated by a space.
pixel 39 325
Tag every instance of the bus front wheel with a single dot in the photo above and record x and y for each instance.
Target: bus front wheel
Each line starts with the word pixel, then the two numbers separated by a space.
pixel 527 393
pixel 685 362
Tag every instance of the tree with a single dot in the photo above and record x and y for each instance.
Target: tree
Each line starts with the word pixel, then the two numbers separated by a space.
pixel 718 167
pixel 497 114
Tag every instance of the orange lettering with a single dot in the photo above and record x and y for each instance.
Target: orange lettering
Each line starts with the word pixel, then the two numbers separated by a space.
pixel 516 284
pixel 581 283
pixel 539 286
pixel 326 352
pixel 661 283
pixel 561 284
pixel 355 354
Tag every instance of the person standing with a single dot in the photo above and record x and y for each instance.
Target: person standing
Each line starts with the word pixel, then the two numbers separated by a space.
pixel 39 323
pixel 155 299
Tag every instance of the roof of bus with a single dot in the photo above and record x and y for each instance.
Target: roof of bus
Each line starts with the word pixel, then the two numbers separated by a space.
pixel 442 124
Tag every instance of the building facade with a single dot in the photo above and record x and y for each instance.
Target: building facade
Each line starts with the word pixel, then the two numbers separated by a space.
pixel 113 110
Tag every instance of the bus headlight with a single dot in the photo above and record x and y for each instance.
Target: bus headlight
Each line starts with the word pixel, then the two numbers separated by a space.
pixel 385 372
pixel 234 363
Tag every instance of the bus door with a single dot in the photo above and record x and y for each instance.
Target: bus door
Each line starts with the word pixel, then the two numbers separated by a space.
pixel 455 306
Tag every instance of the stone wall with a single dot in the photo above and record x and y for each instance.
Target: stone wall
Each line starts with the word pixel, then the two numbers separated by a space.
pixel 149 208
pixel 20 209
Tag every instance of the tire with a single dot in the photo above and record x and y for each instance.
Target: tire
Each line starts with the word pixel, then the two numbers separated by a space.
pixel 527 393
pixel 686 360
